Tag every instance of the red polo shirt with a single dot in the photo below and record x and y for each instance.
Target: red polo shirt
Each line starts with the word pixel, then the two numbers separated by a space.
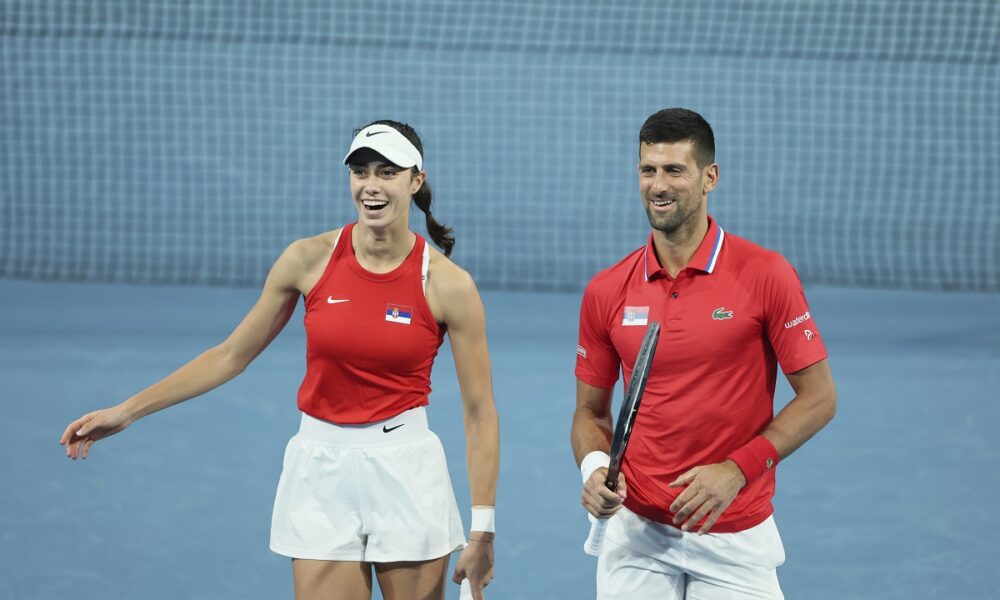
pixel 727 319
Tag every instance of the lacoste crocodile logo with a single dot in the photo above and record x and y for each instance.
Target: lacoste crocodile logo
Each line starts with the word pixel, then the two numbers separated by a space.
pixel 721 314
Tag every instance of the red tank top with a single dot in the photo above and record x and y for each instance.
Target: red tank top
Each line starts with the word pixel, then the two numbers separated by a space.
pixel 370 339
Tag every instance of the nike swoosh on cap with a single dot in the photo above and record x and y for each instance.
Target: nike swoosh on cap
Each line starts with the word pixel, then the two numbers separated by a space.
pixel 371 133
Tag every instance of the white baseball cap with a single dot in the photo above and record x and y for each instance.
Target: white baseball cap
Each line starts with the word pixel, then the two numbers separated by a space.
pixel 388 142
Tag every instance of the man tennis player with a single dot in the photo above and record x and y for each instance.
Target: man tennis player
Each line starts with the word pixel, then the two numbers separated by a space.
pixel 692 511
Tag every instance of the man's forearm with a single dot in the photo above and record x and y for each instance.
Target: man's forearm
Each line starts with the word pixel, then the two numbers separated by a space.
pixel 590 432
pixel 801 419
pixel 814 405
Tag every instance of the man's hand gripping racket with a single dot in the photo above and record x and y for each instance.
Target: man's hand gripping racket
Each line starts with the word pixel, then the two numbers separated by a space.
pixel 623 428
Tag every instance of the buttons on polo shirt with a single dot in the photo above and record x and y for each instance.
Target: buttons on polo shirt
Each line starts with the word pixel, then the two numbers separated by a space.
pixel 674 295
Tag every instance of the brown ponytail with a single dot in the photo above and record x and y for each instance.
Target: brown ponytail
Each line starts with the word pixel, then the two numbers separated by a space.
pixel 440 234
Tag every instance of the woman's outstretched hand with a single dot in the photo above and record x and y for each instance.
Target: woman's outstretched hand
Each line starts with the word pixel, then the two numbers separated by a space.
pixel 81 434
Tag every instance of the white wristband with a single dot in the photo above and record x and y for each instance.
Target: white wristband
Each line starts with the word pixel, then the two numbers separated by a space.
pixel 482 519
pixel 592 462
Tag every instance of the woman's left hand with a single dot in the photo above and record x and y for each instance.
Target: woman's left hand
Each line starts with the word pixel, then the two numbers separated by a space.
pixel 476 563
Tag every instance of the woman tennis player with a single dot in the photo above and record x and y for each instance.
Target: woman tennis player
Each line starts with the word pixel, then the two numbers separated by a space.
pixel 364 487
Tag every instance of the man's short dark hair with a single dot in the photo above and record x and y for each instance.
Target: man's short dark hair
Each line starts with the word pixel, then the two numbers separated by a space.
pixel 672 125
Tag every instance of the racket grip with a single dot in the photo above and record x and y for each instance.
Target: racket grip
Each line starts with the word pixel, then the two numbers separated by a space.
pixel 466 591
pixel 595 541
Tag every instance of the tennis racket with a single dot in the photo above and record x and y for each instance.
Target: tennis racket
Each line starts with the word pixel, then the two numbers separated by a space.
pixel 623 428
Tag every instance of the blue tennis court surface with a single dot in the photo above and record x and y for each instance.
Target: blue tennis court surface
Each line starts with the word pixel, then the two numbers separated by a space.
pixel 894 499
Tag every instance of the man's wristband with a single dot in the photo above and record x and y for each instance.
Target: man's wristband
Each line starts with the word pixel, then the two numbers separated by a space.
pixel 592 462
pixel 482 519
pixel 755 458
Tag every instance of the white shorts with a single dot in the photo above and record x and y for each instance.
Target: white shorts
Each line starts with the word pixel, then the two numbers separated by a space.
pixel 378 492
pixel 647 560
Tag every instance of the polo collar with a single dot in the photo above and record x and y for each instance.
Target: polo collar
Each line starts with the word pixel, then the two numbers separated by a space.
pixel 704 259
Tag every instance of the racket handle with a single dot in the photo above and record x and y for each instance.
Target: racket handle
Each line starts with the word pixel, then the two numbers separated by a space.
pixel 595 541
pixel 466 592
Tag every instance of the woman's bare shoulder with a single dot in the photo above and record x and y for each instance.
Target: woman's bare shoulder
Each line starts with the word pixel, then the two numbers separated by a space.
pixel 305 253
pixel 449 281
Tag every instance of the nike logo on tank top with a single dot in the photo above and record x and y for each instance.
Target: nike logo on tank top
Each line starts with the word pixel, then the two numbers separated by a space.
pixel 369 358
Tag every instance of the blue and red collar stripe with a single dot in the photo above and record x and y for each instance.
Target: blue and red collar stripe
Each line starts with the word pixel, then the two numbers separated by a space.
pixel 716 249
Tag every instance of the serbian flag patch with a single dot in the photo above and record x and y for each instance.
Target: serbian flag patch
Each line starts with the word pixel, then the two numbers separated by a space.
pixel 635 315
pixel 397 313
